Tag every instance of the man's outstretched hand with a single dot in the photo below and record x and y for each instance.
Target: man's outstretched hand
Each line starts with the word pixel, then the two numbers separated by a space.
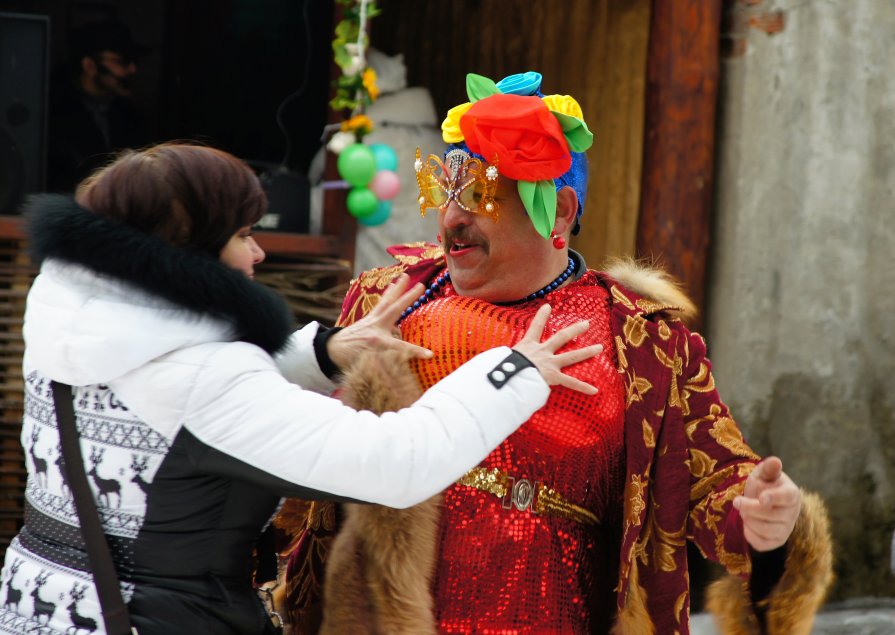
pixel 769 505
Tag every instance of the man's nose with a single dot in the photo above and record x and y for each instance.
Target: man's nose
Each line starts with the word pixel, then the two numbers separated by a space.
pixel 455 216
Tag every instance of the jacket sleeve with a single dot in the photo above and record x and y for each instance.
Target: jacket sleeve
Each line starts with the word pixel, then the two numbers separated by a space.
pixel 719 462
pixel 777 593
pixel 299 365
pixel 243 408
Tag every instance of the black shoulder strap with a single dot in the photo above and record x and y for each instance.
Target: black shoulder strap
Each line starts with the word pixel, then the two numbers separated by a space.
pixel 115 614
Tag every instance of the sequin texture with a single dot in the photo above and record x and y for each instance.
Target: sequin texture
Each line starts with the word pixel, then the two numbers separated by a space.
pixel 503 567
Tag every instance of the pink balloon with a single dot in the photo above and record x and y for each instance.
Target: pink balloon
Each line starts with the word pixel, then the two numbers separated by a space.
pixel 385 185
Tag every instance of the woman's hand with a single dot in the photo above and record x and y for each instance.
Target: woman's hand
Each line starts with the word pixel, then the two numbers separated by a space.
pixel 376 331
pixel 543 354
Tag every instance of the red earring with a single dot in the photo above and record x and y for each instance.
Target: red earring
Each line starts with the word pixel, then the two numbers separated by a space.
pixel 558 241
pixel 438 237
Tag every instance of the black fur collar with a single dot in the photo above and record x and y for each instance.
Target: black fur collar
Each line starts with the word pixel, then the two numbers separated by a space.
pixel 59 228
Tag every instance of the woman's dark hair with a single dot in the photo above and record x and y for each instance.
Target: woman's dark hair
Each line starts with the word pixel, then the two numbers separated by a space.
pixel 189 195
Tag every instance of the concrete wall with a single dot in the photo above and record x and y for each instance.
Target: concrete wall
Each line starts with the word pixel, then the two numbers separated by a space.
pixel 801 316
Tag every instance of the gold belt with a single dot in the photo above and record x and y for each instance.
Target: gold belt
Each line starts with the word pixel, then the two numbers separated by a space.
pixel 523 494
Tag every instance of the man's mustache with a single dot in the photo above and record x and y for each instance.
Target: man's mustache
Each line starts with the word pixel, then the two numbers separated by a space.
pixel 463 236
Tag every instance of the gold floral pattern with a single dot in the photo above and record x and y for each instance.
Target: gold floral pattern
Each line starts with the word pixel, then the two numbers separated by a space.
pixel 637 388
pixel 635 330
pixel 664 330
pixel 649 439
pixel 709 482
pixel 682 608
pixel 700 463
pixel 620 351
pixel 728 435
pixel 429 252
pixel 619 296
pixel 650 308
pixel 634 503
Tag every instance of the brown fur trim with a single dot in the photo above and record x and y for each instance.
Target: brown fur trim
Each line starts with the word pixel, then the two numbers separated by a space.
pixel 806 578
pixel 634 618
pixel 381 563
pixel 653 284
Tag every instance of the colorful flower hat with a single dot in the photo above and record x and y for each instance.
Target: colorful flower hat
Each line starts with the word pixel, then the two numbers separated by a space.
pixel 539 141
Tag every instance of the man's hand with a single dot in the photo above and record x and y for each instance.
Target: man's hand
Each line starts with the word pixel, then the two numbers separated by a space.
pixel 769 505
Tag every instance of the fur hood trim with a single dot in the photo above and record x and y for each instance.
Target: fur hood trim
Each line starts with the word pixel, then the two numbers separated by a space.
pixel 807 576
pixel 58 228
pixel 662 291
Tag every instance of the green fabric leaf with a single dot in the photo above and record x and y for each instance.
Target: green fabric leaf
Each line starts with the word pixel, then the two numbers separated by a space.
pixel 341 55
pixel 539 199
pixel 575 131
pixel 478 87
pixel 346 31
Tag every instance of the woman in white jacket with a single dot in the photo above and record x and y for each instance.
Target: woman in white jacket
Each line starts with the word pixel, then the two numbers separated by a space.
pixel 194 400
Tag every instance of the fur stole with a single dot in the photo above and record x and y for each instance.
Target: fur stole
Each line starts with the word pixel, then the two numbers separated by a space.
pixel 380 563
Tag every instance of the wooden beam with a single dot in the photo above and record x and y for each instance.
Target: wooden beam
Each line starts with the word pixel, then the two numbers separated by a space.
pixel 681 93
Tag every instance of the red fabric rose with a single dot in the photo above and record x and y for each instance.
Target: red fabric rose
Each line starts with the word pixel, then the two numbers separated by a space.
pixel 521 132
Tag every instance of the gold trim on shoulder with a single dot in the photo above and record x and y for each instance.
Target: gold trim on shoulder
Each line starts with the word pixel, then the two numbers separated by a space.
pixel 431 252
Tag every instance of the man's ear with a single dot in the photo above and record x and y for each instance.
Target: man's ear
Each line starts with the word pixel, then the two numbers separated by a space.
pixel 566 210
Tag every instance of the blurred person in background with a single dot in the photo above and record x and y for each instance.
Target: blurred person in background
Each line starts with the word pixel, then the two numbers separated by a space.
pixel 92 110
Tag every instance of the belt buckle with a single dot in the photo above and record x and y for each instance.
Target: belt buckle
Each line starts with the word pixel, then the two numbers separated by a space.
pixel 520 494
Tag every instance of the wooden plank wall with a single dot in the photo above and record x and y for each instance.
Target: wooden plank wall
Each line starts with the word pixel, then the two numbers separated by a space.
pixel 595 50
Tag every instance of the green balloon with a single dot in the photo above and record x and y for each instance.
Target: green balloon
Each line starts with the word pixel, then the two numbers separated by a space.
pixel 357 165
pixel 361 202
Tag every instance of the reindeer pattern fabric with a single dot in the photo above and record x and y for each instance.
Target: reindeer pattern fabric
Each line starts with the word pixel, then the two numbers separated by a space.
pixel 49 589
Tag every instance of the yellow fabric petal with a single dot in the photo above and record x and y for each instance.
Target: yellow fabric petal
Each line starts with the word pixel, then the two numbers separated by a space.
pixel 450 127
pixel 563 104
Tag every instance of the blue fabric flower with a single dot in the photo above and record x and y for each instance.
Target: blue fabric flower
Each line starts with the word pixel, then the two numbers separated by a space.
pixel 527 83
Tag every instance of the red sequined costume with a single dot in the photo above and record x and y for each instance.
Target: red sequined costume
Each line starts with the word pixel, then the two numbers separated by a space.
pixel 580 519
pixel 511 553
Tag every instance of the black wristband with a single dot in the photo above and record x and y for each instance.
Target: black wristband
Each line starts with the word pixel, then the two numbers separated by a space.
pixel 327 366
pixel 509 366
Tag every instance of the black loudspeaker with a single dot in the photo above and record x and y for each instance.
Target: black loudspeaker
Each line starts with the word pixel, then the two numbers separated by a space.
pixel 24 65
pixel 288 198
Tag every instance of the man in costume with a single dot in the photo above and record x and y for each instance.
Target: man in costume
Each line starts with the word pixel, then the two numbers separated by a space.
pixel 578 522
